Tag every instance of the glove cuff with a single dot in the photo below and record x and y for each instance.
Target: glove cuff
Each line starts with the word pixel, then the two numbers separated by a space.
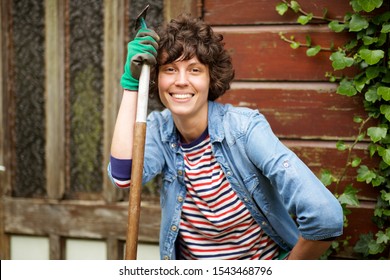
pixel 129 83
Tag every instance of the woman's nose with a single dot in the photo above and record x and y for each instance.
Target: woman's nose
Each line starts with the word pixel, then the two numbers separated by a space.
pixel 181 78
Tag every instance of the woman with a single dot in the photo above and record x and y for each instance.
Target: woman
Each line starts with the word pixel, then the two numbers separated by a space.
pixel 230 187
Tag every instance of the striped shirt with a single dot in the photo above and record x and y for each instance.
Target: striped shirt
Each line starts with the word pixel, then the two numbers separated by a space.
pixel 215 224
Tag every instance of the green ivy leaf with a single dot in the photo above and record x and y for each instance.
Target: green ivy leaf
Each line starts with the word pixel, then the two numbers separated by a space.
pixel 313 51
pixel 335 26
pixel 368 40
pixel 382 39
pixel 295 45
pixel 381 18
pixel 378 212
pixel 377 133
pixel 384 92
pixel 361 245
pixel 385 28
pixel 365 174
pixel 349 196
pixel 373 72
pixel 386 156
pixel 346 88
pixel 385 110
pixel 386 78
pixel 371 95
pixel 308 40
pixel 375 248
pixel 383 237
pixel 356 162
pixel 281 8
pixel 385 195
pixel 341 146
pixel 295 6
pixel 379 180
pixel 340 61
pixel 361 136
pixel 372 149
pixel 351 44
pixel 357 119
pixel 371 56
pixel 305 19
pixel 327 178
pixel 357 23
pixel 386 212
pixel 370 5
pixel 360 83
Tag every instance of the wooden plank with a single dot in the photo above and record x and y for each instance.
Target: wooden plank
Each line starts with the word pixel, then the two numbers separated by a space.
pixel 258 52
pixel 78 219
pixel 113 249
pixel 107 222
pixel 5 123
pixel 54 94
pixel 114 52
pixel 56 247
pixel 173 8
pixel 232 12
pixel 289 106
pixel 323 155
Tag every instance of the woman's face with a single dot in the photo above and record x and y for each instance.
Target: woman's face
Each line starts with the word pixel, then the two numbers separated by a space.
pixel 183 87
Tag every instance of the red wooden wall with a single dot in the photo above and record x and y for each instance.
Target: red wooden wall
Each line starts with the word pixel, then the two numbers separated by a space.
pixel 291 89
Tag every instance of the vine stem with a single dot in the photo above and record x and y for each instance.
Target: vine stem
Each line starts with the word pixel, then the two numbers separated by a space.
pixel 312 16
pixel 284 38
pixel 350 149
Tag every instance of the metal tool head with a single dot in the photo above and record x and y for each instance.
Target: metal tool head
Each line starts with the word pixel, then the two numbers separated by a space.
pixel 140 20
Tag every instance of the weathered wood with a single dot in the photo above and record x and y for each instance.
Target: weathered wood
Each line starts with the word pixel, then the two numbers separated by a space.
pixel 113 249
pixel 300 110
pixel 173 8
pixel 323 155
pixel 5 124
pixel 232 12
pixel 258 52
pixel 54 94
pixel 56 247
pixel 114 32
pixel 78 219
pixel 135 189
pixel 88 220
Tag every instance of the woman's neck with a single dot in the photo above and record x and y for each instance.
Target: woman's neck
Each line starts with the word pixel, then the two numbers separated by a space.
pixel 190 129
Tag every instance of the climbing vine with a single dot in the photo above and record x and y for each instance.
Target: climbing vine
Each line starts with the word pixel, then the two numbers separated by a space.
pixel 368 51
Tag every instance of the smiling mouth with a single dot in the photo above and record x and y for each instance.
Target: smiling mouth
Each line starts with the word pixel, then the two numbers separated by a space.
pixel 181 95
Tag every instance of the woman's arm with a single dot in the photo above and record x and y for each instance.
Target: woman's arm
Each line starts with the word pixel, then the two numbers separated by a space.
pixel 122 140
pixel 308 249
pixel 143 49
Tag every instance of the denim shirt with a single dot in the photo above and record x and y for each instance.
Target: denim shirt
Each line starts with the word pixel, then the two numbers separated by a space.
pixel 284 197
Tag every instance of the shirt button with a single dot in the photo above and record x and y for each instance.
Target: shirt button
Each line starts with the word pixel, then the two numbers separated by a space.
pixel 174 228
pixel 263 223
pixel 166 258
pixel 286 164
pixel 173 145
pixel 179 172
pixel 229 173
pixel 180 198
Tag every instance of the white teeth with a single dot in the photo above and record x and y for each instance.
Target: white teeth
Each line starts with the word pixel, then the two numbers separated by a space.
pixel 181 95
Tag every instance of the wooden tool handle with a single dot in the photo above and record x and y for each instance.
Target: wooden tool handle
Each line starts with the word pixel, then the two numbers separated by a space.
pixel 135 191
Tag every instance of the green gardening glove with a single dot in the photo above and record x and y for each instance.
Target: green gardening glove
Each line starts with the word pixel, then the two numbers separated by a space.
pixel 143 49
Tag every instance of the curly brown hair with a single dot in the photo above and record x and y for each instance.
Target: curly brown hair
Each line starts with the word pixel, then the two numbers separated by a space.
pixel 186 37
